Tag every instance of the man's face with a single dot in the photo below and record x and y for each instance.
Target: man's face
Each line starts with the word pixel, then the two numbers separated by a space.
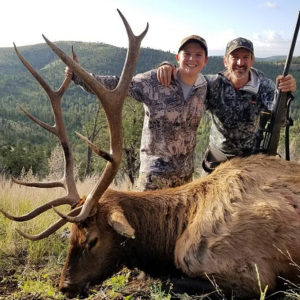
pixel 191 59
pixel 238 63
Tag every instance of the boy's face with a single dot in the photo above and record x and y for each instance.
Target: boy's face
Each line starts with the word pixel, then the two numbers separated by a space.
pixel 191 59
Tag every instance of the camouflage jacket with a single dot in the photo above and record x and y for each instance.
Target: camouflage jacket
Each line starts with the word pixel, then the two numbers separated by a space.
pixel 235 113
pixel 170 123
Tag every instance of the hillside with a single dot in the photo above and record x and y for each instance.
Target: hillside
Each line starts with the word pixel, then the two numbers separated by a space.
pixel 22 143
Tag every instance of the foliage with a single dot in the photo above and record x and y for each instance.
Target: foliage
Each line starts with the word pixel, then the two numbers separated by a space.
pixel 38 285
pixel 24 144
pixel 158 293
pixel 133 116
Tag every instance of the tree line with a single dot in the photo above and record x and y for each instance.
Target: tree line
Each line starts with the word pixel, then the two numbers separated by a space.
pixel 25 146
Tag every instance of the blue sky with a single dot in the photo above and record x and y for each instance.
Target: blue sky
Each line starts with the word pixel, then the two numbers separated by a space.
pixel 269 24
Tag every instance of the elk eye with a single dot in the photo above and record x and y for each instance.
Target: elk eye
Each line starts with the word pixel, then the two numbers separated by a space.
pixel 92 243
pixel 82 225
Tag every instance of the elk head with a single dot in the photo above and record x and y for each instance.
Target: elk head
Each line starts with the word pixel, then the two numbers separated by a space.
pixel 90 222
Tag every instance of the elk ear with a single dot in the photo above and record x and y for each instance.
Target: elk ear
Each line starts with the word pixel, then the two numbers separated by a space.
pixel 119 223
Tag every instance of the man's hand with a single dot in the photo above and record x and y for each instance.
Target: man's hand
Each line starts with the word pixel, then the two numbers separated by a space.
pixel 164 74
pixel 286 84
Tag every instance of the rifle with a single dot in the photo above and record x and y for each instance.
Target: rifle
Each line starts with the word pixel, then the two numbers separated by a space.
pixel 271 121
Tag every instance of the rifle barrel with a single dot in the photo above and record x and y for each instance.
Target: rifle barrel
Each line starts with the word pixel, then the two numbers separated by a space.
pixel 280 103
pixel 290 56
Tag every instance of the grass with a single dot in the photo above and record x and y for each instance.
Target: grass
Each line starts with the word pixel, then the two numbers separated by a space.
pixel 31 270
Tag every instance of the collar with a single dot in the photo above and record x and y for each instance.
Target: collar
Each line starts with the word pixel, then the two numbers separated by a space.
pixel 199 82
pixel 252 85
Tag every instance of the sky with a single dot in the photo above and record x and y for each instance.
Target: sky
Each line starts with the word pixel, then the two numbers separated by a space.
pixel 269 24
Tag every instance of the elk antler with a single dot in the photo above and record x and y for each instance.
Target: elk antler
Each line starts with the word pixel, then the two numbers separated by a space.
pixel 112 102
pixel 58 129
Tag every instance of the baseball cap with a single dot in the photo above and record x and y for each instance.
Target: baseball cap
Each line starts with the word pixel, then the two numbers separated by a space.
pixel 194 38
pixel 239 43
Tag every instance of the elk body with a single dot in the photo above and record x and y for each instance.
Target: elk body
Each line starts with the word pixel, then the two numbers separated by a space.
pixel 240 221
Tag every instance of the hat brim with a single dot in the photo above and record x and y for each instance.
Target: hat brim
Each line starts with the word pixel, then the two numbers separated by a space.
pixel 239 47
pixel 195 41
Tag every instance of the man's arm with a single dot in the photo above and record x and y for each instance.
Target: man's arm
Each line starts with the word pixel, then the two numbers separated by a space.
pixel 166 70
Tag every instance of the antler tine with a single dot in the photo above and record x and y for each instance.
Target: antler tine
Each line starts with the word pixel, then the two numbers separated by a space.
pixel 37 211
pixel 132 56
pixel 94 148
pixel 58 129
pixel 68 180
pixel 45 233
pixel 76 68
pixel 50 230
pixel 46 185
pixel 34 73
pixel 42 82
pixel 37 121
pixel 112 102
pixel 67 79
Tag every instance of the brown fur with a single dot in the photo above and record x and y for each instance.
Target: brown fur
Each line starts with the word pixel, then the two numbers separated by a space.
pixel 243 216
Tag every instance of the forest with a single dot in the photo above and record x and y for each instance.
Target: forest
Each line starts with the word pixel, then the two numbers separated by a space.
pixel 26 147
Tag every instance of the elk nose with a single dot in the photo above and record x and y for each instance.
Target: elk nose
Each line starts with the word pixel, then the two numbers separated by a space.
pixel 65 289
pixel 71 291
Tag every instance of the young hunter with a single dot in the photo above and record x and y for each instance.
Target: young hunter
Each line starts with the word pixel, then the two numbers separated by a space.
pixel 172 115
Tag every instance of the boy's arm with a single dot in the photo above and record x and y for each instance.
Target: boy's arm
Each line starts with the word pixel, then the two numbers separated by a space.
pixel 135 89
pixel 110 82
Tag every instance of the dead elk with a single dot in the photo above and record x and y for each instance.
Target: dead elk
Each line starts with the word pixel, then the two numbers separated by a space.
pixel 238 222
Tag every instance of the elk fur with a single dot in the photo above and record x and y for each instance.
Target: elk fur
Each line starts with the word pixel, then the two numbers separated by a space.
pixel 240 221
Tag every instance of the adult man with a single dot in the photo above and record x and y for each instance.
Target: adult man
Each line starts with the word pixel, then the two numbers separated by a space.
pixel 235 98
pixel 172 115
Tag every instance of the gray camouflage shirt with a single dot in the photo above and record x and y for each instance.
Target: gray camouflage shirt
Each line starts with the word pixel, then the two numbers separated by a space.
pixel 170 124
pixel 235 113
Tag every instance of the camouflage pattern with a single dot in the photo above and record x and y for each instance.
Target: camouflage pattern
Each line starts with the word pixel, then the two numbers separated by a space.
pixel 169 130
pixel 239 43
pixel 235 113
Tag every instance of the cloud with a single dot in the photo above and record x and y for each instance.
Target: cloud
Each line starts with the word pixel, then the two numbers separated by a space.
pixel 271 42
pixel 270 4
